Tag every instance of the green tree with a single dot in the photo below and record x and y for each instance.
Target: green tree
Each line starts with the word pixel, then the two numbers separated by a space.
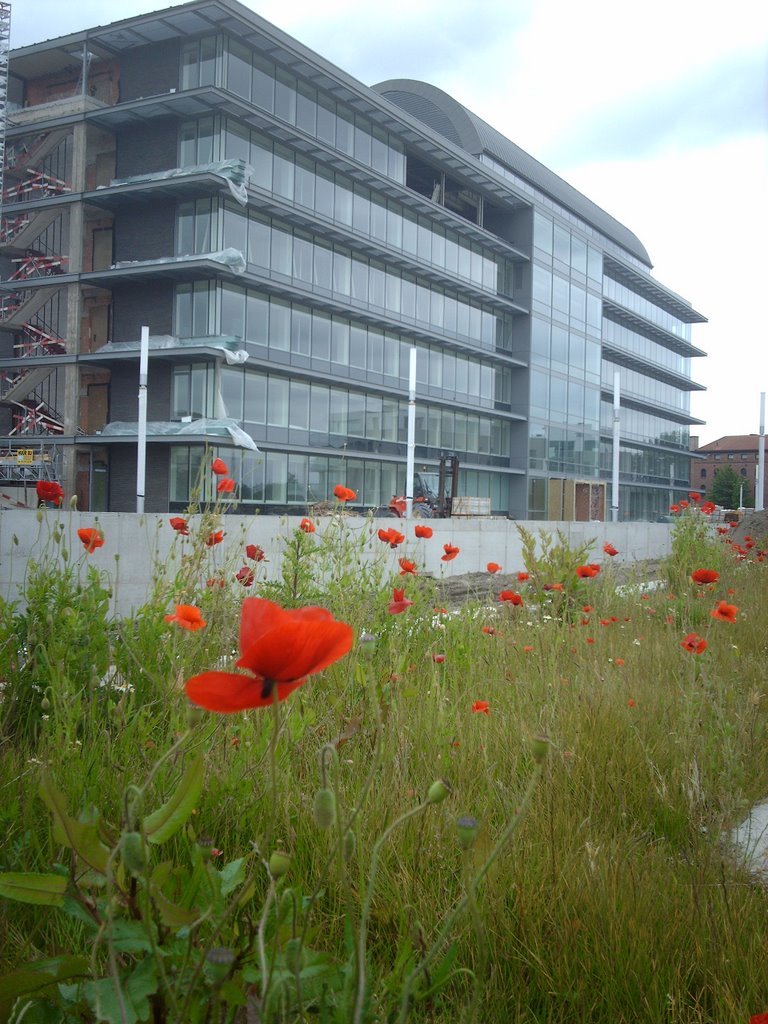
pixel 726 488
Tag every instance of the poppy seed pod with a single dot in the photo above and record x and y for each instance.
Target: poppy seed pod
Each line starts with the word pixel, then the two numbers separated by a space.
pixel 279 864
pixel 219 961
pixel 438 791
pixel 466 830
pixel 348 845
pixel 324 808
pixel 133 853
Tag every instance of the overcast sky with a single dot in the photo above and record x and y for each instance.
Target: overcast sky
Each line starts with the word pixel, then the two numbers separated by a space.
pixel 658 112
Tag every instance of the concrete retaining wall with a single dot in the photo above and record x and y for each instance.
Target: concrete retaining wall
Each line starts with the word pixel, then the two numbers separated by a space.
pixel 134 545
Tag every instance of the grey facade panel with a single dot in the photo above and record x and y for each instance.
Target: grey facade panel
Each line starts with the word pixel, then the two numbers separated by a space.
pixel 122 478
pixel 151 304
pixel 146 232
pixel 149 71
pixel 147 147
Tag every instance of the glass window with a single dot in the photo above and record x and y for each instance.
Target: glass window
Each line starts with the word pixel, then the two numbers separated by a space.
pixel 342 211
pixel 279 325
pixel 263 83
pixel 542 232
pixel 257 318
pixel 282 250
pixel 340 342
pixel 379 151
pixel 255 403
pixel 345 131
pixel 299 405
pixel 342 270
pixel 562 247
pixel 361 210
pixel 318 409
pixel 357 346
pixel 301 330
pixel 326 121
pixel 302 258
pixel 362 140
pixel 258 241
pixel 237 144
pixel 323 267
pixel 304 184
pixel 239 69
pixel 306 109
pixel 285 97
pixel 235 229
pixel 338 417
pixel 324 189
pixel 283 168
pixel 578 255
pixel 542 285
pixel 277 402
pixel 559 347
pixel 594 264
pixel 233 311
pixel 321 336
pixel 359 280
pixel 261 159
pixel 275 476
pixel 560 293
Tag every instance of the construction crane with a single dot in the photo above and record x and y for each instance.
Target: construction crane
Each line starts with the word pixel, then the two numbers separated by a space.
pixel 5 46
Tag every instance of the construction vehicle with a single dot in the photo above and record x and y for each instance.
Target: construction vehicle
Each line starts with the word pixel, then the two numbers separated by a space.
pixel 432 492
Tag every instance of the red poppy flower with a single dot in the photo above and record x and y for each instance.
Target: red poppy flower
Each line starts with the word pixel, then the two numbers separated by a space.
pixel 245 576
pixel 481 707
pixel 219 467
pixel 216 581
pixel 631 703
pixel 91 539
pixel 407 567
pixel 693 643
pixel 307 526
pixel 590 639
pixel 255 552
pixel 586 572
pixel 609 549
pixel 424 531
pixel 619 662
pixel 49 490
pixel 510 597
pixel 391 536
pixel 438 658
pixel 759 1018
pixel 708 508
pixel 279 649
pixel 450 552
pixel 674 509
pixel 723 529
pixel 214 538
pixel 705 576
pixel 552 586
pixel 683 504
pixel 344 493
pixel 226 485
pixel 489 630
pixel 187 616
pixel 179 525
pixel 493 567
pixel 399 602
pixel 725 612
pixel 523 576
pixel 528 648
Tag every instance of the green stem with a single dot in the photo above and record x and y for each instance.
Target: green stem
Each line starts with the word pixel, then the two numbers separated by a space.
pixel 265 972
pixel 273 766
pixel 439 942
pixel 366 910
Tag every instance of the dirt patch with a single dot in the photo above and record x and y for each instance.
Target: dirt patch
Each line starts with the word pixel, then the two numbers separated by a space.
pixel 754 525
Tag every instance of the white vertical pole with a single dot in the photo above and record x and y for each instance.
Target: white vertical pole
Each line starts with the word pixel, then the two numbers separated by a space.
pixel 760 488
pixel 616 441
pixel 141 456
pixel 411 434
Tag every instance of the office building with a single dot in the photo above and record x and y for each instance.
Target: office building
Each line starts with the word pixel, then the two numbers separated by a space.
pixel 288 235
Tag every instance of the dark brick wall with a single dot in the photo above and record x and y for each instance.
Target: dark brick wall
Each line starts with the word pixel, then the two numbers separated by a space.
pixel 134 305
pixel 124 391
pixel 145 232
pixel 149 147
pixel 149 71
pixel 122 478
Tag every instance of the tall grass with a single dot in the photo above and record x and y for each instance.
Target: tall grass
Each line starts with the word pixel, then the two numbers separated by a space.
pixel 614 900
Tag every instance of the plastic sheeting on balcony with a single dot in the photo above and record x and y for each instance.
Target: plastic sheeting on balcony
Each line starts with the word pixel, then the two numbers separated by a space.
pixel 231 258
pixel 236 173
pixel 204 427
pixel 229 345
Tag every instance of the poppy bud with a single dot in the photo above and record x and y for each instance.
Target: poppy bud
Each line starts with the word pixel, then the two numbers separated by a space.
pixel 65 554
pixel 438 791
pixel 45 704
pixel 73 502
pixel 15 540
pixel 49 620
pixel 348 845
pixel 219 963
pixel 324 808
pixel 287 903
pixel 466 830
pixel 279 864
pixel 39 515
pixel 540 748
pixel 133 853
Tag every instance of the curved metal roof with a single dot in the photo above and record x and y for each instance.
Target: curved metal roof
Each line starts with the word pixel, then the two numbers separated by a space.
pixel 443 114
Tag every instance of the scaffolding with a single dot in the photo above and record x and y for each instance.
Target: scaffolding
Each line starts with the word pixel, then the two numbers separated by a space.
pixel 5 45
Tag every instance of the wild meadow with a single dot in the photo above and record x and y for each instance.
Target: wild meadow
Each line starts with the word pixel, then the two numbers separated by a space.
pixel 331 797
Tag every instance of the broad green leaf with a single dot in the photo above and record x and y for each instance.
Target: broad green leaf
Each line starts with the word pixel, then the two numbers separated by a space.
pixel 105 1002
pixel 28 887
pixel 168 819
pixel 232 875
pixel 36 976
pixel 130 937
pixel 81 837
pixel 171 914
